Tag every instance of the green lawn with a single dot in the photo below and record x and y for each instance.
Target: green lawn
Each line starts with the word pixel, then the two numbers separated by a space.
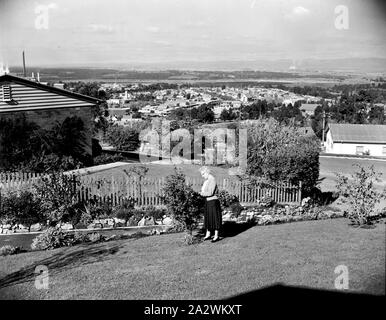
pixel 161 267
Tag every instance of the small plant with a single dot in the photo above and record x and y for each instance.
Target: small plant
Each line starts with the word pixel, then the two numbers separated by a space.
pixel 183 203
pixel 226 199
pixel 52 238
pixel 125 210
pixel 360 194
pixel 236 208
pixel 266 201
pixel 95 237
pixel 58 194
pixel 9 250
pixel 20 207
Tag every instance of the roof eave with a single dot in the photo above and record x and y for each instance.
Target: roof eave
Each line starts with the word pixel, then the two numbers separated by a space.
pixel 38 85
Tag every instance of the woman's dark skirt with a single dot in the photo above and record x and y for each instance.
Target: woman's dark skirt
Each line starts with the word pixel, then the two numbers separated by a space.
pixel 212 215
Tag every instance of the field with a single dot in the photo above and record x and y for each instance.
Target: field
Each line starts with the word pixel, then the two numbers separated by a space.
pixel 301 254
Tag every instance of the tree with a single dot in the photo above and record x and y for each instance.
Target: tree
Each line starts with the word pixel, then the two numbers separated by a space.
pixel 228 114
pixel 280 153
pixel 123 138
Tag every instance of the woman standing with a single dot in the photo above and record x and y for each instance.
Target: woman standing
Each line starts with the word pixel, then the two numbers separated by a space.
pixel 212 215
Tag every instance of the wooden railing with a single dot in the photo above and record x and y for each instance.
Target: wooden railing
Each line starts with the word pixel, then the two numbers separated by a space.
pixel 147 190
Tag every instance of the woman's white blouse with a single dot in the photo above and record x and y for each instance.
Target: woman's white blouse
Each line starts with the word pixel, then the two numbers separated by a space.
pixel 208 188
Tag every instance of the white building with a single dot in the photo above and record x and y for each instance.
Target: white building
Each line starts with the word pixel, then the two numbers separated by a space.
pixel 356 139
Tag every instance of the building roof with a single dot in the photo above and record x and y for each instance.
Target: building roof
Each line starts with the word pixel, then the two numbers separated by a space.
pixel 358 133
pixel 27 95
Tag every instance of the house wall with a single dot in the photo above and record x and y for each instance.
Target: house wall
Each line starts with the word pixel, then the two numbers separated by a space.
pixel 350 148
pixel 46 119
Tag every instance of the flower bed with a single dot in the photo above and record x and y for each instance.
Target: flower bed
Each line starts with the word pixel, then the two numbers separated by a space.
pixel 263 215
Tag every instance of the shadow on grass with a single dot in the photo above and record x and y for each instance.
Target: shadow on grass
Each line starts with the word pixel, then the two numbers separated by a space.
pixel 230 229
pixel 72 257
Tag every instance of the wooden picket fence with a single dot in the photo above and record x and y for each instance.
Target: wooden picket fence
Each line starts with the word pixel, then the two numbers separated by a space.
pixel 147 190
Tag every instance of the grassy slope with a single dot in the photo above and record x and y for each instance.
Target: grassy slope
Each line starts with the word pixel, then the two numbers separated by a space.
pixel 161 267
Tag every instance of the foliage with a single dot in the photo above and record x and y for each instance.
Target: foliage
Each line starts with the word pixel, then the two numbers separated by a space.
pixel 107 158
pixel 125 210
pixel 156 213
pixel 226 199
pixel 22 207
pixel 360 194
pixel 183 203
pixel 9 250
pixel 280 153
pixel 236 208
pixel 28 147
pixel 58 195
pixel 123 138
pixel 52 238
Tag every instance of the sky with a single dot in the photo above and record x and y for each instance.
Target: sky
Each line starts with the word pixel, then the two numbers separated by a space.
pixel 104 32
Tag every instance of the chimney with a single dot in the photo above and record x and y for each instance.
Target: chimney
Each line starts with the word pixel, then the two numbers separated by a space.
pixel 24 70
pixel 33 76
pixel 38 76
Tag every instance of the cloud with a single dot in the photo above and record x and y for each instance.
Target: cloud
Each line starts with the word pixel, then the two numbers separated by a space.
pixel 300 11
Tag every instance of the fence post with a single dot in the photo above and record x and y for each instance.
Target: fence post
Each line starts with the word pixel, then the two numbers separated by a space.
pixel 300 193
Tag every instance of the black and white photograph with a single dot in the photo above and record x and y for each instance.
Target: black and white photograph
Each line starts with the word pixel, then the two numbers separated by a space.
pixel 193 155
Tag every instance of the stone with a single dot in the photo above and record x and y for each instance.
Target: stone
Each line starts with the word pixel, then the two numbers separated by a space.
pixel 142 222
pixel 149 221
pixel 117 220
pixel 168 221
pixel 67 226
pixel 36 227
pixel 95 226
pixel 131 222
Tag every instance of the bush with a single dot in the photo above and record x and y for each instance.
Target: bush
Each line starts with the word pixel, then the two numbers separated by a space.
pixel 156 213
pixel 280 153
pixel 183 203
pixel 107 158
pixel 125 210
pixel 9 250
pixel 95 237
pixel 226 199
pixel 23 208
pixel 123 138
pixel 360 194
pixel 58 195
pixel 236 208
pixel 52 238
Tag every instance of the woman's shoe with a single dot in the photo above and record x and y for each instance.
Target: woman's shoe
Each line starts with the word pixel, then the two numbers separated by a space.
pixel 207 238
pixel 215 239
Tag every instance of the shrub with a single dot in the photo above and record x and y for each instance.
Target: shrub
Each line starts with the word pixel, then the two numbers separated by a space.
pixel 360 194
pixel 8 250
pixel 58 195
pixel 280 153
pixel 107 158
pixel 23 208
pixel 236 208
pixel 123 138
pixel 52 238
pixel 184 204
pixel 95 237
pixel 156 213
pixel 226 199
pixel 125 210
